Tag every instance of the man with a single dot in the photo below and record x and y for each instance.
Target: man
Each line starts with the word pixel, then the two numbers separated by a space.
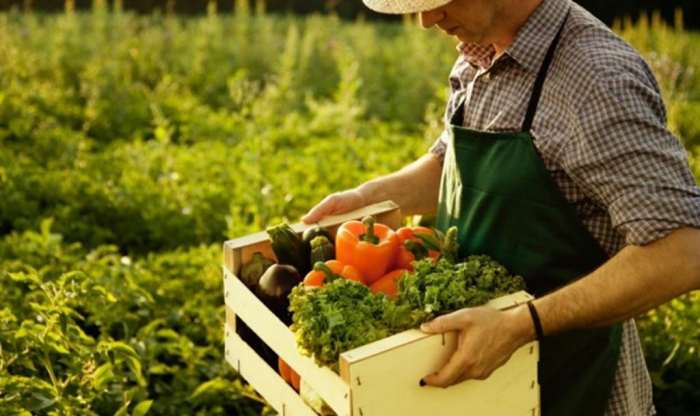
pixel 556 162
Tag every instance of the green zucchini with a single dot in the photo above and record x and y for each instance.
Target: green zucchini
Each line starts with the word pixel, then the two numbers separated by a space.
pixel 313 232
pixel 289 248
pixel 322 250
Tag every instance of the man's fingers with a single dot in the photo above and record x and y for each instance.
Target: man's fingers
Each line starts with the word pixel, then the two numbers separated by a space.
pixel 314 215
pixel 325 207
pixel 458 364
pixel 449 322
pixel 449 374
pixel 337 203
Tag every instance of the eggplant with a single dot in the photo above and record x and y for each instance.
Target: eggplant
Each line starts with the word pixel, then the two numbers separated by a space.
pixel 274 288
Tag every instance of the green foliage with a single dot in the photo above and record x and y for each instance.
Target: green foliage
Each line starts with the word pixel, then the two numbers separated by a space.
pixel 671 339
pixel 437 289
pixel 157 134
pixel 131 146
pixel 341 316
pixel 114 334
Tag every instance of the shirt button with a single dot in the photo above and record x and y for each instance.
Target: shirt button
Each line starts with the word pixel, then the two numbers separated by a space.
pixel 486 78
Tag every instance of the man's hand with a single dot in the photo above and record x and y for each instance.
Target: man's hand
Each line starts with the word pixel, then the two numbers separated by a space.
pixel 415 189
pixel 337 203
pixel 487 339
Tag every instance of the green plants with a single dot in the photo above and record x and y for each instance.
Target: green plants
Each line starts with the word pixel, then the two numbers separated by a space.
pixel 131 146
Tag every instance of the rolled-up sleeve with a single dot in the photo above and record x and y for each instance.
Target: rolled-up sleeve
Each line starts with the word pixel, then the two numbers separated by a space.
pixel 623 156
pixel 440 147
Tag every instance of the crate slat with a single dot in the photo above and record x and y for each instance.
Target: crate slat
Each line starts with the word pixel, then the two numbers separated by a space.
pixel 510 301
pixel 265 380
pixel 280 338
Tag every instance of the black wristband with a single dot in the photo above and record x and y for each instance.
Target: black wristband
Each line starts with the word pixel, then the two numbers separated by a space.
pixel 536 321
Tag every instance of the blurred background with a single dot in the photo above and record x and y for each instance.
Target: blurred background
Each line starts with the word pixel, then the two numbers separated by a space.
pixel 137 136
pixel 350 9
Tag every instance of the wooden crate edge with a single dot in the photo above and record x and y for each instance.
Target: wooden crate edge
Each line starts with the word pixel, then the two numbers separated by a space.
pixel 331 220
pixel 277 336
pixel 264 380
pixel 413 335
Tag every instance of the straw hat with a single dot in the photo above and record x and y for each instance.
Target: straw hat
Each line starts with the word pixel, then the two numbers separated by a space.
pixel 404 6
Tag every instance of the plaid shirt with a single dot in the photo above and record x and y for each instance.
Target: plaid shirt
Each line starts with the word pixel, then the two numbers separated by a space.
pixel 600 130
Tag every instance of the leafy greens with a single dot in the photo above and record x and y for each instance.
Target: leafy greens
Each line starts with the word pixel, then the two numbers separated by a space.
pixel 345 314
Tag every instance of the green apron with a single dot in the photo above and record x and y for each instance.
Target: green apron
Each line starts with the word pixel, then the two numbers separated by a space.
pixel 497 191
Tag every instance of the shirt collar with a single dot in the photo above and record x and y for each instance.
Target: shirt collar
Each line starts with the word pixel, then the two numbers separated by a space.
pixel 530 44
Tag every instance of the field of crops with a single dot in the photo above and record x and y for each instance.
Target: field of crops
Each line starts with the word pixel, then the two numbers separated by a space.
pixel 132 147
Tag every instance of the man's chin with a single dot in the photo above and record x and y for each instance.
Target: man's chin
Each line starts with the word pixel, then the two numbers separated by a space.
pixel 471 40
pixel 464 39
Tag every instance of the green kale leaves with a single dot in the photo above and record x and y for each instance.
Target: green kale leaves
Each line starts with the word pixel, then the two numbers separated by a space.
pixel 345 314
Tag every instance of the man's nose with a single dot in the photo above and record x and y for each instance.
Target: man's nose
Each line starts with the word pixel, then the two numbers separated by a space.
pixel 429 18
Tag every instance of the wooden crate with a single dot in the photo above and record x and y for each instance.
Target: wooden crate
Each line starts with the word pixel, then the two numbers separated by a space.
pixel 378 379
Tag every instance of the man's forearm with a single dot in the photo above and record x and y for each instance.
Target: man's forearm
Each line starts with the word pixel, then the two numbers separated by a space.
pixel 415 188
pixel 637 279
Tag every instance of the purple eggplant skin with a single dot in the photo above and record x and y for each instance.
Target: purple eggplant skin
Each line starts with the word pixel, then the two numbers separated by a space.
pixel 274 288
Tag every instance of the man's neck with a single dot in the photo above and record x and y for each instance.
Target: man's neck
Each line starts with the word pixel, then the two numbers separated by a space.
pixel 513 14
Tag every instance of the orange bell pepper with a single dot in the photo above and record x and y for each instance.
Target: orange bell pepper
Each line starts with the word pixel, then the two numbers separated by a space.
pixel 296 381
pixel 285 370
pixel 387 283
pixel 288 374
pixel 331 268
pixel 368 246
pixel 412 248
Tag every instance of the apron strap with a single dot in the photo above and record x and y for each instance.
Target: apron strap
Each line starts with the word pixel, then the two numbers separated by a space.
pixel 539 83
pixel 457 118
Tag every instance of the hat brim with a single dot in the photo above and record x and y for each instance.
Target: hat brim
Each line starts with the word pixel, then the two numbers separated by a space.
pixel 404 6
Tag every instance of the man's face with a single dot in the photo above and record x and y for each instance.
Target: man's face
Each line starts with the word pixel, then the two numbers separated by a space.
pixel 471 21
